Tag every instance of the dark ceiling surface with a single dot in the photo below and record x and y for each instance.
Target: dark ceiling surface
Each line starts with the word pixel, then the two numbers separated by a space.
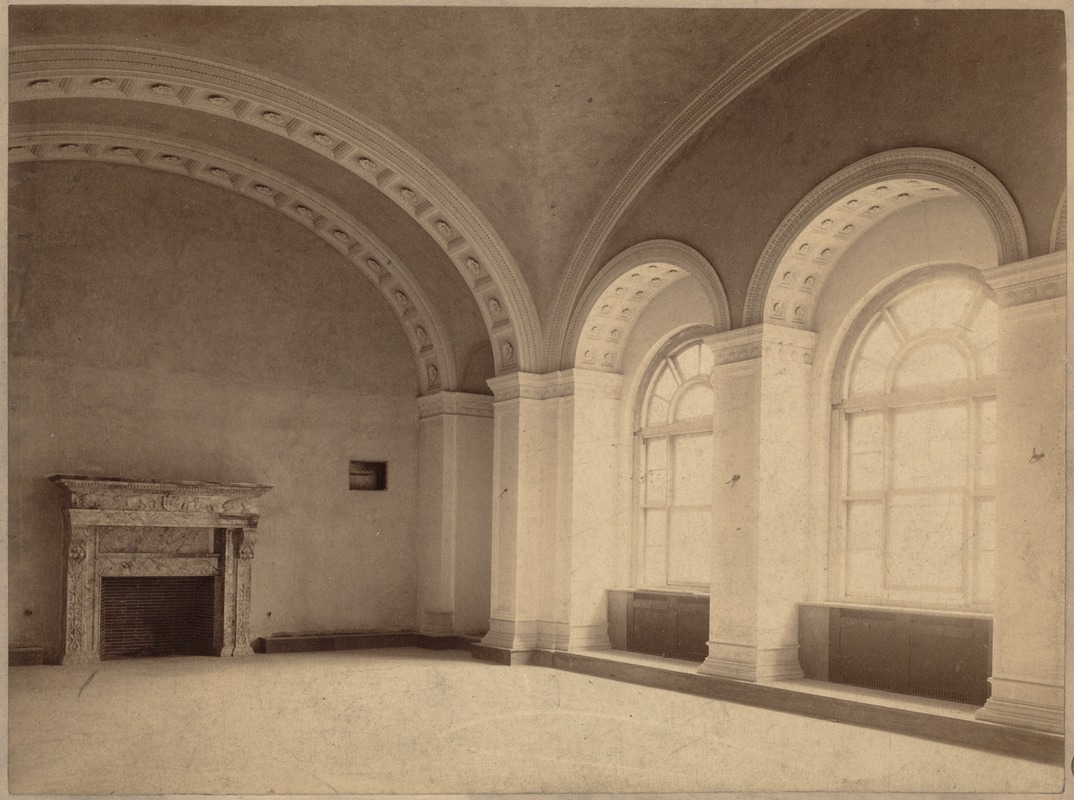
pixel 535 113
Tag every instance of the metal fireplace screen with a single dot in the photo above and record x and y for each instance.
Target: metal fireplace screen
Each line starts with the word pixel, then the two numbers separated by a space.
pixel 157 616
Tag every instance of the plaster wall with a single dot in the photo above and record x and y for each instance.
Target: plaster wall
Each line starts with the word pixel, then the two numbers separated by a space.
pixel 164 329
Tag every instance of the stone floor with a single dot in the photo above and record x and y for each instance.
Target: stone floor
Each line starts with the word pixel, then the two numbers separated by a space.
pixel 419 721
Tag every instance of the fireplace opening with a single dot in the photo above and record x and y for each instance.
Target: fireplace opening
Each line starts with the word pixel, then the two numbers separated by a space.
pixel 145 617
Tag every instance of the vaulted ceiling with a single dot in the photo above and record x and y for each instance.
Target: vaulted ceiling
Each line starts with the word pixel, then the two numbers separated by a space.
pixel 491 151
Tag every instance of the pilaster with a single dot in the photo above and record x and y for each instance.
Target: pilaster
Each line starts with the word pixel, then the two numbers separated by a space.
pixel 761 381
pixel 595 504
pixel 1028 642
pixel 454 478
pixel 523 507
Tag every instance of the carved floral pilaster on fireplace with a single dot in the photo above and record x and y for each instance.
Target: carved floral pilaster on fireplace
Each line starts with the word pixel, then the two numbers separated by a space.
pixel 121 527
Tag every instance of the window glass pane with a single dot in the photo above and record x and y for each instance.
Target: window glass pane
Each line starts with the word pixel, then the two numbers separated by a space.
pixel 658 411
pixel 695 402
pixel 930 444
pixel 656 464
pixel 986 524
pixel 665 385
pixel 865 467
pixel 687 361
pixel 931 363
pixel 864 578
pixel 986 416
pixel 867 376
pixel 866 431
pixel 984 579
pixel 692 471
pixel 925 541
pixel 880 343
pixel 689 541
pixel 865 526
pixel 654 548
pixel 934 306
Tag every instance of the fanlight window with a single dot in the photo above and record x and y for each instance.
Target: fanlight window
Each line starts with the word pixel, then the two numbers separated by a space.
pixel 916 423
pixel 675 465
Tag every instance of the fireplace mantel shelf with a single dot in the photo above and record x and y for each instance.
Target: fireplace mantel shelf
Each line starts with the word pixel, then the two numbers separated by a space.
pixel 146 528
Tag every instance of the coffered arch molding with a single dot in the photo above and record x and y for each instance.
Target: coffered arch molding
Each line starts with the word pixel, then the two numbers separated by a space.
pixel 800 32
pixel 615 298
pixel 58 71
pixel 425 332
pixel 903 173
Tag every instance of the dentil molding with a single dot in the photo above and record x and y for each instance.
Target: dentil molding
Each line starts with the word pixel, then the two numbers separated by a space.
pixel 792 38
pixel 106 72
pixel 426 333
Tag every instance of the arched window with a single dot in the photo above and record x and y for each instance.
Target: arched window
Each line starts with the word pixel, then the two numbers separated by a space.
pixel 674 458
pixel 914 434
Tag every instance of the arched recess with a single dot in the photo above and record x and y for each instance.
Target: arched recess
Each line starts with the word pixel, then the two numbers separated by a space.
pixel 602 320
pixel 105 72
pixel 803 251
pixel 806 28
pixel 433 357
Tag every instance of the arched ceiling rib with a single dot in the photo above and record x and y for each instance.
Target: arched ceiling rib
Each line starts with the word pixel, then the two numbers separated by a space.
pixel 790 39
pixel 123 73
pixel 425 331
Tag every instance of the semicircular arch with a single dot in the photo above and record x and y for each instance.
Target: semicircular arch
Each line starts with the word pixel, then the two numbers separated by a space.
pixel 74 70
pixel 424 329
pixel 602 320
pixel 804 249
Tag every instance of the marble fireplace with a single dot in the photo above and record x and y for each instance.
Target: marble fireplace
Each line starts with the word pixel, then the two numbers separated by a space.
pixel 123 528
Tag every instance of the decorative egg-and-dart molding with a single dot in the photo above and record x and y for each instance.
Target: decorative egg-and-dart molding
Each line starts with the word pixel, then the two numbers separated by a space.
pixel 425 331
pixel 59 71
pixel 618 295
pixel 800 32
pixel 804 249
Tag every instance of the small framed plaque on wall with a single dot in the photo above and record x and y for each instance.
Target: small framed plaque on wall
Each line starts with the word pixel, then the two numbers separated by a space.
pixel 368 476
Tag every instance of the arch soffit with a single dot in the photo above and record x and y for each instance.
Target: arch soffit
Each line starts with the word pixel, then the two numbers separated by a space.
pixel 788 41
pixel 801 254
pixel 425 331
pixel 57 71
pixel 616 297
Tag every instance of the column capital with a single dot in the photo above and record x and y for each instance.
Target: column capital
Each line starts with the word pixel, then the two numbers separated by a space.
pixel 1030 281
pixel 593 383
pixel 458 403
pixel 762 341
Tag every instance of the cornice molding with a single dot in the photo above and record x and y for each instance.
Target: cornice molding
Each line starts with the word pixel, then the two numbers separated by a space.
pixel 762 341
pixel 58 71
pixel 788 41
pixel 462 404
pixel 940 167
pixel 601 323
pixel 1030 281
pixel 426 333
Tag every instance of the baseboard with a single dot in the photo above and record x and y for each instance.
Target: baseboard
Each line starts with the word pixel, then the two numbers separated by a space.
pixel 25 656
pixel 318 642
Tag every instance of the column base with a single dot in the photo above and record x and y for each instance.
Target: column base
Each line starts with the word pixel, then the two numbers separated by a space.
pixel 749 663
pixel 1019 703
pixel 512 635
